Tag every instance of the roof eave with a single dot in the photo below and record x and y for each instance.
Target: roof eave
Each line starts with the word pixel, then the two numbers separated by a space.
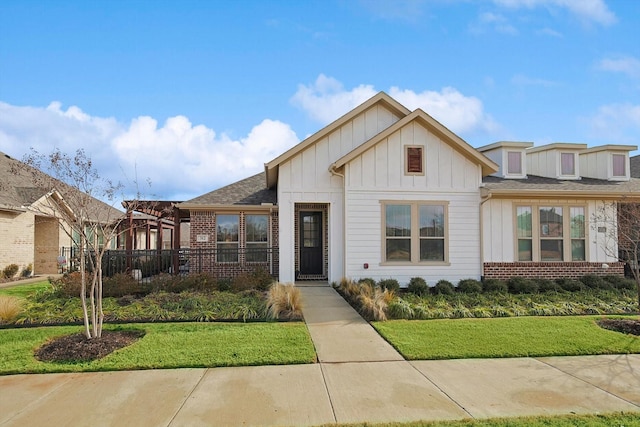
pixel 560 194
pixel 226 207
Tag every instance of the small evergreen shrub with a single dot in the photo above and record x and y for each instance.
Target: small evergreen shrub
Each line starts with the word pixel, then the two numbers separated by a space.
pixel 391 285
pixel 620 282
pixel 418 286
pixel 26 272
pixel 367 281
pixel 122 284
pixel 443 287
pixel 522 285
pixel 470 286
pixel 68 285
pixel 570 285
pixel 259 279
pixel 495 285
pixel 548 285
pixel 595 282
pixel 223 285
pixel 10 270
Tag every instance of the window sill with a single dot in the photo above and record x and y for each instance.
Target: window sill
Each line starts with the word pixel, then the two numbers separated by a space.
pixel 415 264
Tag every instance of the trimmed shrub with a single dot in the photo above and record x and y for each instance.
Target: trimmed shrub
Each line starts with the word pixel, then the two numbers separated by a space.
pixel 547 285
pixel 389 284
pixel 26 272
pixel 418 286
pixel 367 281
pixel 443 287
pixel 122 284
pixel 223 285
pixel 570 285
pixel 259 279
pixel 495 285
pixel 470 286
pixel 595 282
pixel 620 282
pixel 68 285
pixel 521 285
pixel 10 270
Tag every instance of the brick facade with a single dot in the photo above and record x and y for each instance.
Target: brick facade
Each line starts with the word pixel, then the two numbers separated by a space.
pixel 550 270
pixel 203 238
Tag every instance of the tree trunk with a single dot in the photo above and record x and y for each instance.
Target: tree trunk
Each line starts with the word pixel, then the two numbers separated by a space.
pixel 83 290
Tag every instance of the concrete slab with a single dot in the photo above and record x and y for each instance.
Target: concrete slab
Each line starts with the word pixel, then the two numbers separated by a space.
pixel 618 374
pixel 517 387
pixel 21 391
pixel 338 332
pixel 384 392
pixel 137 398
pixel 258 396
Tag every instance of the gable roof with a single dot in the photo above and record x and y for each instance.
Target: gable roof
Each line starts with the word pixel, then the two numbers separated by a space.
pixel 19 190
pixel 271 168
pixel 249 191
pixel 419 116
pixel 541 187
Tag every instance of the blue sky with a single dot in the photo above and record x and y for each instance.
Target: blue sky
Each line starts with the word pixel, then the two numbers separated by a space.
pixel 193 95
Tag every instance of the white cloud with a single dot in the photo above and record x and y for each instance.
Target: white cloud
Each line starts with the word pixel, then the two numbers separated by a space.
pixel 622 64
pixel 181 160
pixel 327 99
pixel 586 10
pixel 494 21
pixel 523 80
pixel 616 123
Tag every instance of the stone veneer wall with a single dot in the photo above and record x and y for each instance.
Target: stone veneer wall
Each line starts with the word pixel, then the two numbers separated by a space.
pixel 550 270
pixel 203 223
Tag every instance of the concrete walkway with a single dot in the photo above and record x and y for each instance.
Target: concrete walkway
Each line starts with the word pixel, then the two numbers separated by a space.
pixel 360 378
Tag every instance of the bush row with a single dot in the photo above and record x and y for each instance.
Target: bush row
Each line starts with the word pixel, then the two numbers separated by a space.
pixel 122 284
pixel 515 285
pixel 12 269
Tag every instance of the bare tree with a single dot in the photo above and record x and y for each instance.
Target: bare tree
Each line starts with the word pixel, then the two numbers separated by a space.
pixel 75 196
pixel 619 223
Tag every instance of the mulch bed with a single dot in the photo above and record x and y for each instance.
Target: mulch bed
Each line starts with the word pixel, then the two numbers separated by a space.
pixel 626 326
pixel 77 348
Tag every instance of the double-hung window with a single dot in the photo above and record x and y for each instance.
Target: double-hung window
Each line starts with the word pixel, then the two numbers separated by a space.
pixel 227 227
pixel 550 233
pixel 619 162
pixel 414 232
pixel 256 234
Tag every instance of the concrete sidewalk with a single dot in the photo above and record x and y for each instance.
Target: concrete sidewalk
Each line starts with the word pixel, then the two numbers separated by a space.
pixel 360 378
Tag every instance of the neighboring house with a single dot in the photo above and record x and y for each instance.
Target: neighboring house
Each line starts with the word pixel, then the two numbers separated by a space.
pixel 30 232
pixel 385 192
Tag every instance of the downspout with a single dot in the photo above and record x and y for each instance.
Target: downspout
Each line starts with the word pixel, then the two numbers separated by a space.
pixel 333 171
pixel 483 200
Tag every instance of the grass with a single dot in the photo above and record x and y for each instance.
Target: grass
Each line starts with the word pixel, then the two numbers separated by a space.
pixel 23 291
pixel 600 420
pixel 504 337
pixel 168 345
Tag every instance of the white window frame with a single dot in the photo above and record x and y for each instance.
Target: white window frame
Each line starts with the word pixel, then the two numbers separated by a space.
pixel 415 232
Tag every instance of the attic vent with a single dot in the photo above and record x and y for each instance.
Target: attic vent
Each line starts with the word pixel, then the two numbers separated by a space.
pixel 414 160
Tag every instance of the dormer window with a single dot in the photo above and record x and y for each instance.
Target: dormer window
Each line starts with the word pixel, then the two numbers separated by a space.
pixel 514 163
pixel 567 164
pixel 619 163
pixel 414 160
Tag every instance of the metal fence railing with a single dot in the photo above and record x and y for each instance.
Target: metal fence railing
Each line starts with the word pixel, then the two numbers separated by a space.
pixel 146 263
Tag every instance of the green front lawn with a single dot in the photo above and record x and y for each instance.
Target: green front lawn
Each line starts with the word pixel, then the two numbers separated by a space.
pixel 504 337
pixel 169 345
pixel 23 291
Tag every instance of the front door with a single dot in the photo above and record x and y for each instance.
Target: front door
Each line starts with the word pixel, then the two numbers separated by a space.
pixel 311 259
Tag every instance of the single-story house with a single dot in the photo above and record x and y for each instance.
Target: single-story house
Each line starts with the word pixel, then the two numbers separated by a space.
pixel 385 192
pixel 31 230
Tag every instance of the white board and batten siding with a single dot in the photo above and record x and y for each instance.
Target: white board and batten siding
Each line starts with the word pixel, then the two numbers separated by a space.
pixel 499 229
pixel 305 178
pixel 377 175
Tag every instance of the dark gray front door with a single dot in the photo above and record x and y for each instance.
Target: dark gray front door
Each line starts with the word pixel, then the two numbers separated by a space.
pixel 311 259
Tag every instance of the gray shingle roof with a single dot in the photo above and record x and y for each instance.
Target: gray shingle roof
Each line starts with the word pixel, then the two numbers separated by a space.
pixel 584 185
pixel 19 189
pixel 249 191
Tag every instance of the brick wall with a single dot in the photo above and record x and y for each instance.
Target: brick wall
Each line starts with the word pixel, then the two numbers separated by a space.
pixel 203 223
pixel 550 270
